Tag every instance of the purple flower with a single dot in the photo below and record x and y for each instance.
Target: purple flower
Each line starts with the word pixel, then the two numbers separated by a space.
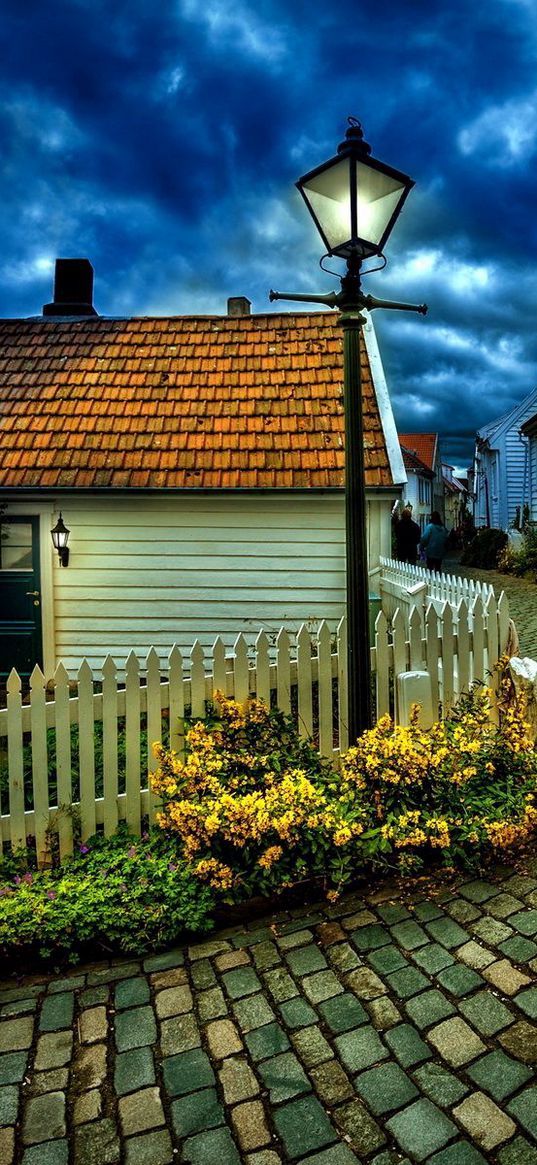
pixel 172 867
pixel 145 837
pixel 18 880
pixel 123 886
pixel 5 891
pixel 83 849
pixel 27 878
pixel 131 852
pixel 51 894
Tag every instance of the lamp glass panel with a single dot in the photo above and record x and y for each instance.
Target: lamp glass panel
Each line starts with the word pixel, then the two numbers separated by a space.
pixel 378 198
pixel 328 195
pixel 60 538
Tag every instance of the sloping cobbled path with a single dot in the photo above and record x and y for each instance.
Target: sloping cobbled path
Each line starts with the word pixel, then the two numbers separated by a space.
pixel 385 1029
pixel 521 596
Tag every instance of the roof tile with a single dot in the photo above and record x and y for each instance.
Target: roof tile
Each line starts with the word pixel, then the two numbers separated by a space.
pixel 184 402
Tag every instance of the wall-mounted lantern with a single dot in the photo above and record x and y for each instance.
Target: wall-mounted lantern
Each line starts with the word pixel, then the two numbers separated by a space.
pixel 60 537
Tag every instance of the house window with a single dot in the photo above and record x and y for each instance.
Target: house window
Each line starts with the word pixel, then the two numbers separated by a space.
pixel 424 491
pixel 15 546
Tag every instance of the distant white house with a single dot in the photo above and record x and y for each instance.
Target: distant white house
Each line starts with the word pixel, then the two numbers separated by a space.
pixel 502 469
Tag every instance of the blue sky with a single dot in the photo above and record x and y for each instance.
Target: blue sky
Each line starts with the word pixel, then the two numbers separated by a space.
pixel 163 143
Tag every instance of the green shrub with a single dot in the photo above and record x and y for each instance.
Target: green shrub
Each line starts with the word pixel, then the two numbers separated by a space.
pixel 485 549
pixel 123 893
pixel 522 562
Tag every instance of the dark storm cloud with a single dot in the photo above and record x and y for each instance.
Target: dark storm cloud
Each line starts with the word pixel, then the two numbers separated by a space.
pixel 164 142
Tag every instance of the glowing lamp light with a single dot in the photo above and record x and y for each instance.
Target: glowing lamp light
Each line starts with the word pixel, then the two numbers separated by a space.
pixel 354 199
pixel 60 537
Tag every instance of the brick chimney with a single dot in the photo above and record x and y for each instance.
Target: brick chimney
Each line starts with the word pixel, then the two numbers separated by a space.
pixel 238 305
pixel 73 289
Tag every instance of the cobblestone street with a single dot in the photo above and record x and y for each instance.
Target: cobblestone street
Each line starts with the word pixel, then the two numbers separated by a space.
pixel 378 1030
pixel 521 595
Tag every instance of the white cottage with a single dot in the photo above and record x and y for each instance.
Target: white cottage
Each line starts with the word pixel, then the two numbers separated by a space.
pixel 502 481
pixel 198 463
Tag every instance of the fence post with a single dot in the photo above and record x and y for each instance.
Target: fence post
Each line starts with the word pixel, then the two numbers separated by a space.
pixel 343 711
pixel 132 743
pixel 39 766
pixel 176 700
pixel 15 755
pixel 262 669
pixel 62 724
pixel 154 723
pixel 304 679
pixel 283 671
pixel 324 687
pixel 110 765
pixel 86 751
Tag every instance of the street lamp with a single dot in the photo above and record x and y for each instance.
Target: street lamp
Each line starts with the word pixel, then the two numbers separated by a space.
pixel 355 201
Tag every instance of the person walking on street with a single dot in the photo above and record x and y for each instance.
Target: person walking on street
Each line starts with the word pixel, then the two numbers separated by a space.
pixel 407 536
pixel 433 542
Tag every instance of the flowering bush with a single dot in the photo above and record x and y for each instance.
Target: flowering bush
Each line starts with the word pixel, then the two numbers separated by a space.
pixel 254 806
pixel 462 788
pixel 256 810
pixel 117 894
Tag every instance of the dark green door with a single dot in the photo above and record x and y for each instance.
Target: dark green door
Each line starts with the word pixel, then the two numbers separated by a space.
pixel 20 596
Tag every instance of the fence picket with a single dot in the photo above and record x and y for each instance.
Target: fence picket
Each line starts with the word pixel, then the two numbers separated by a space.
pixel 399 651
pixel 219 667
pixel 463 646
pixel 262 668
pixel 132 743
pixel 283 671
pixel 324 675
pixel 17 825
pixel 431 636
pixel 176 701
pixel 491 622
pixel 110 734
pixel 62 726
pixel 304 677
pixel 241 672
pixel 382 665
pixel 415 638
pixel 154 723
pixel 343 703
pixel 447 659
pixel 39 766
pixel 478 633
pixel 197 681
pixel 86 751
pixel 503 623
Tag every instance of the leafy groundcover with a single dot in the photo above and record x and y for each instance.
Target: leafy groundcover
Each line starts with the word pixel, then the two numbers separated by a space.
pixel 253 811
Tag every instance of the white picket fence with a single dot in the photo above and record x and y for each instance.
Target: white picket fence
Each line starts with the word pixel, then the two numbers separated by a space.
pixel 106 784
pixel 404 586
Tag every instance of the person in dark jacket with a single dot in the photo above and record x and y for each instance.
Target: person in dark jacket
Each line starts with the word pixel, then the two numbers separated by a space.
pixel 433 541
pixel 407 536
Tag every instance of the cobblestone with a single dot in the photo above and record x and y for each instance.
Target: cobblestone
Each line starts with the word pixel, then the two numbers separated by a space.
pixel 386 1031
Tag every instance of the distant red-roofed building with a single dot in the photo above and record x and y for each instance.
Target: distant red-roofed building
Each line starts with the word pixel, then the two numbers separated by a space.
pixel 199 464
pixel 424 490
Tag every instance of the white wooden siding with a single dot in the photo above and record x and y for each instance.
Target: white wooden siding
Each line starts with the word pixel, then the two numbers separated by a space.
pixel 517 474
pixel 153 571
pixel 532 485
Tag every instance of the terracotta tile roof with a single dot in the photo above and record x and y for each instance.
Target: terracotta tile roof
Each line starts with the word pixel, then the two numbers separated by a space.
pixel 413 463
pixel 422 445
pixel 186 402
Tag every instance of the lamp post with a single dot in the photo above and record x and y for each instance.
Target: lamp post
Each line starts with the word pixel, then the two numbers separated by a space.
pixel 354 201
